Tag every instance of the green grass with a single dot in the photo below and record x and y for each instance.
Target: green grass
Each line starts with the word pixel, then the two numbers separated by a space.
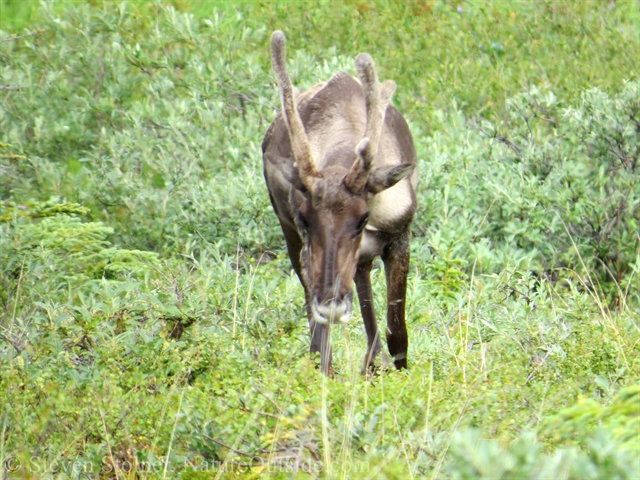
pixel 150 322
pixel 478 56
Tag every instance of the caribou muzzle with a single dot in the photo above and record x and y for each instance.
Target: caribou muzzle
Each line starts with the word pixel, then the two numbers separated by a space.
pixel 332 311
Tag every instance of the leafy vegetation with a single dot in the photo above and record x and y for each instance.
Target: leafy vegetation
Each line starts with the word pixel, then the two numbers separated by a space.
pixel 150 322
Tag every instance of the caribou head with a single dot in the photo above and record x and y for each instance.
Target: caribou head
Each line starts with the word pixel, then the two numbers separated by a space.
pixel 331 221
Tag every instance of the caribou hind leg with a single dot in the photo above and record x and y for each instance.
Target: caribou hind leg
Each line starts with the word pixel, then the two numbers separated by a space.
pixel 396 266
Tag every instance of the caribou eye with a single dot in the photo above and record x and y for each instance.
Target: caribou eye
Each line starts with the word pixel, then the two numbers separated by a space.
pixel 362 223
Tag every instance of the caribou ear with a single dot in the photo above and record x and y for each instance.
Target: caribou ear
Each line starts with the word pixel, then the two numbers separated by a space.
pixel 287 169
pixel 318 193
pixel 385 177
pixel 293 177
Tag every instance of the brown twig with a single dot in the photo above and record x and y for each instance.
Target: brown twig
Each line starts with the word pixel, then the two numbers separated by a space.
pixel 11 39
pixel 498 137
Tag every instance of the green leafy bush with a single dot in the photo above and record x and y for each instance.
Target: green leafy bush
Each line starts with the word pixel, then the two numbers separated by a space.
pixel 609 451
pixel 472 457
pixel 48 247
pixel 153 136
pixel 552 189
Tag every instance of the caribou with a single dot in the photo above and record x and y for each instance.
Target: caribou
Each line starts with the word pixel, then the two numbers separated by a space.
pixel 340 167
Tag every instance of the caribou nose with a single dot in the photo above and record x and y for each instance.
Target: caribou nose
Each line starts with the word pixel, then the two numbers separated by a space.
pixel 332 310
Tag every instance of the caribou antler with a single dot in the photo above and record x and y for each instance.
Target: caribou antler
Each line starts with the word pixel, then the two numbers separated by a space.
pixel 377 100
pixel 299 142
